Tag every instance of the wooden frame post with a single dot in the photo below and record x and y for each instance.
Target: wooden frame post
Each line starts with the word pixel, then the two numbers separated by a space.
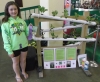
pixel 39 55
pixel 84 33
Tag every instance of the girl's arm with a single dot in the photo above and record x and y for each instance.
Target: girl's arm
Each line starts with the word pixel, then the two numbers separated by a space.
pixel 6 39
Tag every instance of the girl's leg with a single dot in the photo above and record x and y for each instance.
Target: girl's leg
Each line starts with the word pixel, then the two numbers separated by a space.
pixel 23 63
pixel 16 68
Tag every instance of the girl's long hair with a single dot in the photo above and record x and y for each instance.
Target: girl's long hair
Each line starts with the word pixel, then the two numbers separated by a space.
pixel 7 15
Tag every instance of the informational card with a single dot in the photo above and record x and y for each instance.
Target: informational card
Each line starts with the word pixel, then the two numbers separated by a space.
pixel 48 55
pixel 60 54
pixel 71 53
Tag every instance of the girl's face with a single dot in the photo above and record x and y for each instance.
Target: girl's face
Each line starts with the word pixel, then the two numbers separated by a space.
pixel 13 11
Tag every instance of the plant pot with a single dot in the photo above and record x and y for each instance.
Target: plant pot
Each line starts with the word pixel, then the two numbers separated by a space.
pixel 75 37
pixel 42 37
pixel 65 38
pixel 53 37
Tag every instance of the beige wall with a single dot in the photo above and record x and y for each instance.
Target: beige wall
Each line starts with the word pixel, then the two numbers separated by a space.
pixel 59 6
pixel 26 3
pixel 56 5
pixel 29 3
pixel 2 4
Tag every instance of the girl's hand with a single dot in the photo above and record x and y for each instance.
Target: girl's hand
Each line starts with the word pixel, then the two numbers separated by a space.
pixel 12 55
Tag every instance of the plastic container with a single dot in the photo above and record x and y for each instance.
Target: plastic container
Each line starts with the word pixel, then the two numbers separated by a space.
pixel 86 66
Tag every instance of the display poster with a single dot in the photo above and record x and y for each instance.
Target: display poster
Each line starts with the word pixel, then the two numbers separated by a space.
pixel 59 58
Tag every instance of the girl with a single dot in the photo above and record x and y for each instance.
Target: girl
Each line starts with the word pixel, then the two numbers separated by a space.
pixel 14 34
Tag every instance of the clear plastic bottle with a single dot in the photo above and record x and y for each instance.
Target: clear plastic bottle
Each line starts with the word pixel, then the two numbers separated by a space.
pixel 86 66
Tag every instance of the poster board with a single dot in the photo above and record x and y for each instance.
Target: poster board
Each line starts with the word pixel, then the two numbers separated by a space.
pixel 59 58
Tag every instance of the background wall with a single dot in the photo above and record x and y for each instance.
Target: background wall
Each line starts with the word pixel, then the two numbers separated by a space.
pixel 26 3
pixel 45 25
pixel 2 4
pixel 59 6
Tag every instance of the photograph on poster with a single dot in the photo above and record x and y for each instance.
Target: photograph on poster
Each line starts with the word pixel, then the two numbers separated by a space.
pixel 68 64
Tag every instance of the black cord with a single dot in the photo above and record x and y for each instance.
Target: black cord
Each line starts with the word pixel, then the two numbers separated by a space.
pixel 29 18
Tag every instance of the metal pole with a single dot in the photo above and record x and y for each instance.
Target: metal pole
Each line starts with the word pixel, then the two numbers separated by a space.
pixel 93 63
pixel 96 43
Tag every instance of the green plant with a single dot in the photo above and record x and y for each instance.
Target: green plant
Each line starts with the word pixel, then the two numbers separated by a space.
pixel 71 42
pixel 33 44
pixel 76 15
pixel 89 18
pixel 51 27
pixel 73 34
pixel 53 35
pixel 74 23
pixel 65 13
pixel 65 35
pixel 52 32
pixel 42 9
pixel 88 37
pixel 54 13
pixel 97 20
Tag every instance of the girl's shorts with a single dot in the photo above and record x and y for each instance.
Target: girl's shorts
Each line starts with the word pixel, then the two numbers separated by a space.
pixel 18 52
